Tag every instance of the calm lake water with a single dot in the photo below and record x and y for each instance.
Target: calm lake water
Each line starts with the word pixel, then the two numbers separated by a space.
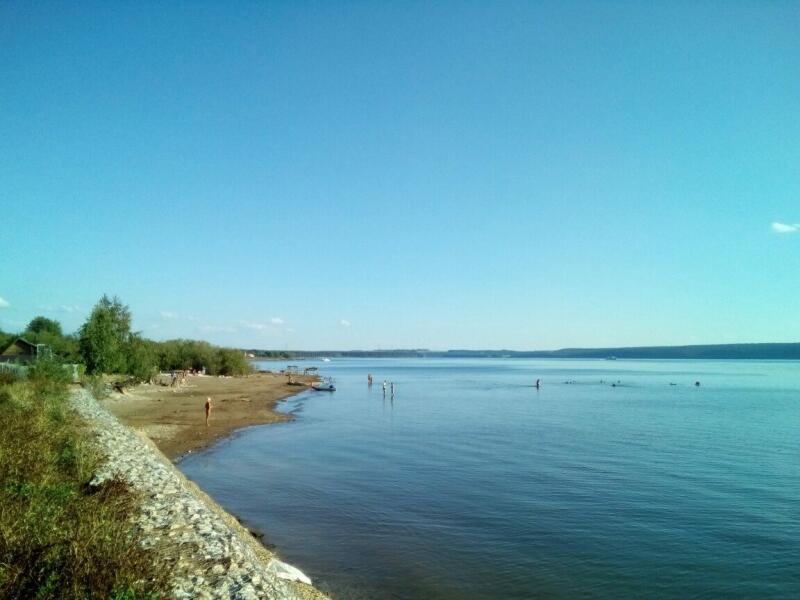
pixel 472 484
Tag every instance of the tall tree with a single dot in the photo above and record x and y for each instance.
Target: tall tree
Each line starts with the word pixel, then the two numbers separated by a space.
pixel 44 325
pixel 105 336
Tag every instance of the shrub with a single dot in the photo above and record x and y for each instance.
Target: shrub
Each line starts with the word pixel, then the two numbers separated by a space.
pixel 48 370
pixel 141 359
pixel 232 362
pixel 96 386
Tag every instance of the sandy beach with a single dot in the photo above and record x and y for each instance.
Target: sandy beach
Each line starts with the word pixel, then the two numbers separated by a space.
pixel 174 417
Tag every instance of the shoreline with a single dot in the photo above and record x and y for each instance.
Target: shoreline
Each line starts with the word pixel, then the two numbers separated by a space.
pixel 173 418
pixel 171 422
pixel 208 551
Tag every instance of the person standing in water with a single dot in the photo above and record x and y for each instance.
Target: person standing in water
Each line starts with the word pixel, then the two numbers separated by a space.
pixel 208 409
pixel 369 380
pixel 392 384
pixel 536 385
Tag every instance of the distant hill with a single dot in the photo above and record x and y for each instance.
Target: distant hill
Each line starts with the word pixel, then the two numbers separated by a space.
pixel 789 351
pixel 709 351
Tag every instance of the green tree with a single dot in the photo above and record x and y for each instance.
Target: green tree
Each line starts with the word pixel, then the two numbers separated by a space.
pixel 105 336
pixel 141 358
pixel 232 362
pixel 44 325
pixel 63 346
pixel 5 339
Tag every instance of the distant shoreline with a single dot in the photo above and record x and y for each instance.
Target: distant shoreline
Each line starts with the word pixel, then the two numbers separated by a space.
pixel 753 351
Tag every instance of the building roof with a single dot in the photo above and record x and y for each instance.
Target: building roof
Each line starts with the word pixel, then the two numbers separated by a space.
pixel 21 347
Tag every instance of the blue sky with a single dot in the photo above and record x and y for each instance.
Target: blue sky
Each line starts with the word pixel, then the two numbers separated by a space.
pixel 420 174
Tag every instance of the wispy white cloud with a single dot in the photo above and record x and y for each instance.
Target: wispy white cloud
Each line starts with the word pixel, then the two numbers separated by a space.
pixel 785 228
pixel 62 308
pixel 345 323
pixel 4 303
pixel 217 328
pixel 273 324
pixel 173 316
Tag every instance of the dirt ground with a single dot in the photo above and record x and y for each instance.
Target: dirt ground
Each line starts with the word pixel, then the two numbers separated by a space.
pixel 174 418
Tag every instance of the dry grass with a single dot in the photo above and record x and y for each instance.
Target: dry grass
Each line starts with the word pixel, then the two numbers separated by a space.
pixel 60 538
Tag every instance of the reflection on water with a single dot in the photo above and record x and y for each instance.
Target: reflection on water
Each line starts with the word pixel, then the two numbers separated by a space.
pixel 615 478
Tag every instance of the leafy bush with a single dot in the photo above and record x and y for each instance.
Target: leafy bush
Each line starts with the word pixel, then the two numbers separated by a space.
pixel 48 370
pixel 232 362
pixel 96 386
pixel 142 361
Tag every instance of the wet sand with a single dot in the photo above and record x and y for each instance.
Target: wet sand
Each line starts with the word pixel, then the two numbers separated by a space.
pixel 174 418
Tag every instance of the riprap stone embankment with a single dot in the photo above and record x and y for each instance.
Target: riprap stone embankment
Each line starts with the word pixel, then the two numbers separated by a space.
pixel 210 554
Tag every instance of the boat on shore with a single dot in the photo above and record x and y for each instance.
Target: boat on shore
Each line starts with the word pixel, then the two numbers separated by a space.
pixel 324 385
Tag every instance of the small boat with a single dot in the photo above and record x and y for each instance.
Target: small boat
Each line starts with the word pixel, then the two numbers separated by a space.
pixel 324 385
pixel 326 360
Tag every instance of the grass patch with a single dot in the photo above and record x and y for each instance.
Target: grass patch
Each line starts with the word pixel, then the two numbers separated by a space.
pixel 60 538
pixel 96 385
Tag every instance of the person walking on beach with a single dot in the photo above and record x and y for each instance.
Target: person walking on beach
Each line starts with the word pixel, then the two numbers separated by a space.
pixel 208 409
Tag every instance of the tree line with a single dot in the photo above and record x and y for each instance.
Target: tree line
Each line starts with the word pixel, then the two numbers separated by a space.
pixel 105 343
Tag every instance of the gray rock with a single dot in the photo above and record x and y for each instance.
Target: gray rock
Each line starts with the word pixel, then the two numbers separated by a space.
pixel 209 558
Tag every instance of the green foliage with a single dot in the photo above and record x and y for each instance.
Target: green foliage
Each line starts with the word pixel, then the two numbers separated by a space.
pixel 105 335
pixel 186 354
pixel 63 346
pixel 48 376
pixel 7 377
pixel 192 354
pixel 5 339
pixel 107 345
pixel 232 362
pixel 272 354
pixel 59 538
pixel 142 359
pixel 42 330
pixel 96 386
pixel 44 325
